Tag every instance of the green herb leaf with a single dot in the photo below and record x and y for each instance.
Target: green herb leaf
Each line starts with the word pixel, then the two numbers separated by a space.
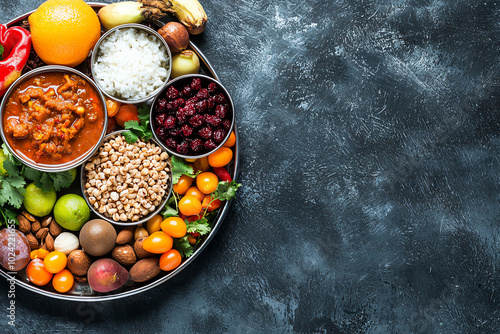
pixel 130 137
pixel 31 173
pixel 16 181
pixel 11 195
pixel 202 226
pixel 61 180
pixel 138 129
pixel 179 168
pixel 133 125
pixel 183 247
pixel 143 113
pixel 8 214
pixel 226 190
pixel 170 209
pixel 11 168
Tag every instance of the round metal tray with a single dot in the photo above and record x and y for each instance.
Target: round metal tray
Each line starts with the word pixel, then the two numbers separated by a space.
pixel 82 291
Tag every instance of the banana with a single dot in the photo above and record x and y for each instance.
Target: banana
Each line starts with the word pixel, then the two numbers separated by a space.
pixel 191 14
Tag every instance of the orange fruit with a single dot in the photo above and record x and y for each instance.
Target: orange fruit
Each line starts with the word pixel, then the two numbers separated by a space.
pixel 64 31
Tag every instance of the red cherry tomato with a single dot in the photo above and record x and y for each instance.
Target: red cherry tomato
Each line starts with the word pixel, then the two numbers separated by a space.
pixel 63 281
pixel 207 182
pixel 189 205
pixel 158 243
pixel 170 260
pixel 174 227
pixel 36 272
pixel 213 205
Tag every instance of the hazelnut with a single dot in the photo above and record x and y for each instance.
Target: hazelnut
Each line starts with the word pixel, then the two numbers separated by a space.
pixel 176 36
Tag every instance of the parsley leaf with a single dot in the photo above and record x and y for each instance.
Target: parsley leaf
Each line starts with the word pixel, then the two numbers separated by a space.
pixel 138 129
pixel 202 226
pixel 61 180
pixel 10 194
pixel 170 209
pixel 183 247
pixel 130 137
pixel 226 190
pixel 47 181
pixel 11 168
pixel 179 168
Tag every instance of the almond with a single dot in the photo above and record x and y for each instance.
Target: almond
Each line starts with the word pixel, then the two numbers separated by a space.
pixel 42 233
pixel 46 221
pixel 35 227
pixel 78 262
pixel 145 269
pixel 24 224
pixel 28 216
pixel 49 242
pixel 140 251
pixel 125 235
pixel 124 254
pixel 32 241
pixel 54 228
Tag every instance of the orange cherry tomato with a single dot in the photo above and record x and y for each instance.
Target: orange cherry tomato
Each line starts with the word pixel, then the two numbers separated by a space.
pixel 170 260
pixel 189 205
pixel 158 242
pixel 55 262
pixel 174 227
pixel 39 253
pixel 192 240
pixel 221 157
pixel 231 140
pixel 112 106
pixel 207 182
pixel 183 185
pixel 127 112
pixel 63 281
pixel 36 272
pixel 214 205
pixel 154 223
pixel 194 191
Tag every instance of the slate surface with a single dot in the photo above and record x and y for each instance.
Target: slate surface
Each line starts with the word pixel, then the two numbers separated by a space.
pixel 369 158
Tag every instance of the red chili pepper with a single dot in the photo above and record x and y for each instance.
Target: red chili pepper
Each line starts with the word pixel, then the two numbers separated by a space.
pixel 16 42
pixel 222 174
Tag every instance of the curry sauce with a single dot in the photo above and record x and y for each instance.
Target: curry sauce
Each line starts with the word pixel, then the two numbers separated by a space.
pixel 53 118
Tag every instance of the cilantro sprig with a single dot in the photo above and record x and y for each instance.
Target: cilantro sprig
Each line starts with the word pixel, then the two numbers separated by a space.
pixel 139 129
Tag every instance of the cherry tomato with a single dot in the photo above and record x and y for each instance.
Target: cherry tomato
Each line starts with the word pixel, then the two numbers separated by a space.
pixel 39 253
pixel 63 281
pixel 222 174
pixel 214 205
pixel 170 260
pixel 127 112
pixel 192 240
pixel 221 157
pixel 231 140
pixel 174 227
pixel 154 224
pixel 201 164
pixel 207 182
pixel 183 185
pixel 194 191
pixel 55 262
pixel 112 106
pixel 36 272
pixel 158 242
pixel 192 218
pixel 189 205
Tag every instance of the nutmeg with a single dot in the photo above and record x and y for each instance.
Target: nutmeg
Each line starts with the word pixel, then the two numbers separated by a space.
pixel 176 36
pixel 78 262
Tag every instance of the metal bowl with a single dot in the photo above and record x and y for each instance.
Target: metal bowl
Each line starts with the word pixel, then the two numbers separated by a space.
pixel 96 53
pixel 56 167
pixel 184 80
pixel 83 179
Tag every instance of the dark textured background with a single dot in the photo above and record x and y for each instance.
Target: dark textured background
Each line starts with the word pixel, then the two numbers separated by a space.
pixel 369 159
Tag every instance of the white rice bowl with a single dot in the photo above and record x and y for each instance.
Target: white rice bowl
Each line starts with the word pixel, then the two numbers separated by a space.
pixel 131 64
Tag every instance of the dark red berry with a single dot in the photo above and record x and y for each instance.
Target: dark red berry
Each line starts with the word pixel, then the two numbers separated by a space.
pixel 196 120
pixel 169 122
pixel 192 100
pixel 226 124
pixel 212 87
pixel 161 133
pixel 205 132
pixel 213 120
pixel 180 102
pixel 209 145
pixel 186 130
pixel 186 90
pixel 189 110
pixel 160 119
pixel 172 93
pixel 221 110
pixel 196 84
pixel 203 94
pixel 196 145
pixel 211 103
pixel 160 105
pixel 183 148
pixel 219 135
pixel 201 106
pixel 170 106
pixel 220 99
pixel 171 143
pixel 175 132
pixel 181 116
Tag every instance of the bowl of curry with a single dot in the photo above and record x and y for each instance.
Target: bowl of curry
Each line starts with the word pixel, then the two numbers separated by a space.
pixel 53 118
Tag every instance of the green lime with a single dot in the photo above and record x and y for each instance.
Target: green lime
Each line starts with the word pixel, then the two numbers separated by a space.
pixel 3 157
pixel 73 174
pixel 71 212
pixel 38 202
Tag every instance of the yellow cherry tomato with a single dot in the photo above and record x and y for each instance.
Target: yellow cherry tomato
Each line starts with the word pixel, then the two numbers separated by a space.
pixel 221 157
pixel 189 205
pixel 182 185
pixel 55 262
pixel 63 281
pixel 158 243
pixel 231 140
pixel 154 224
pixel 194 191
pixel 174 227
pixel 207 182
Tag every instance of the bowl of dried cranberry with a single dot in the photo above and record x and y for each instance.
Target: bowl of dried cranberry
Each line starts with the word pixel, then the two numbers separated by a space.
pixel 193 116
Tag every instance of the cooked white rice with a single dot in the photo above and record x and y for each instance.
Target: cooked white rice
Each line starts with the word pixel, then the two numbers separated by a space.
pixel 131 64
